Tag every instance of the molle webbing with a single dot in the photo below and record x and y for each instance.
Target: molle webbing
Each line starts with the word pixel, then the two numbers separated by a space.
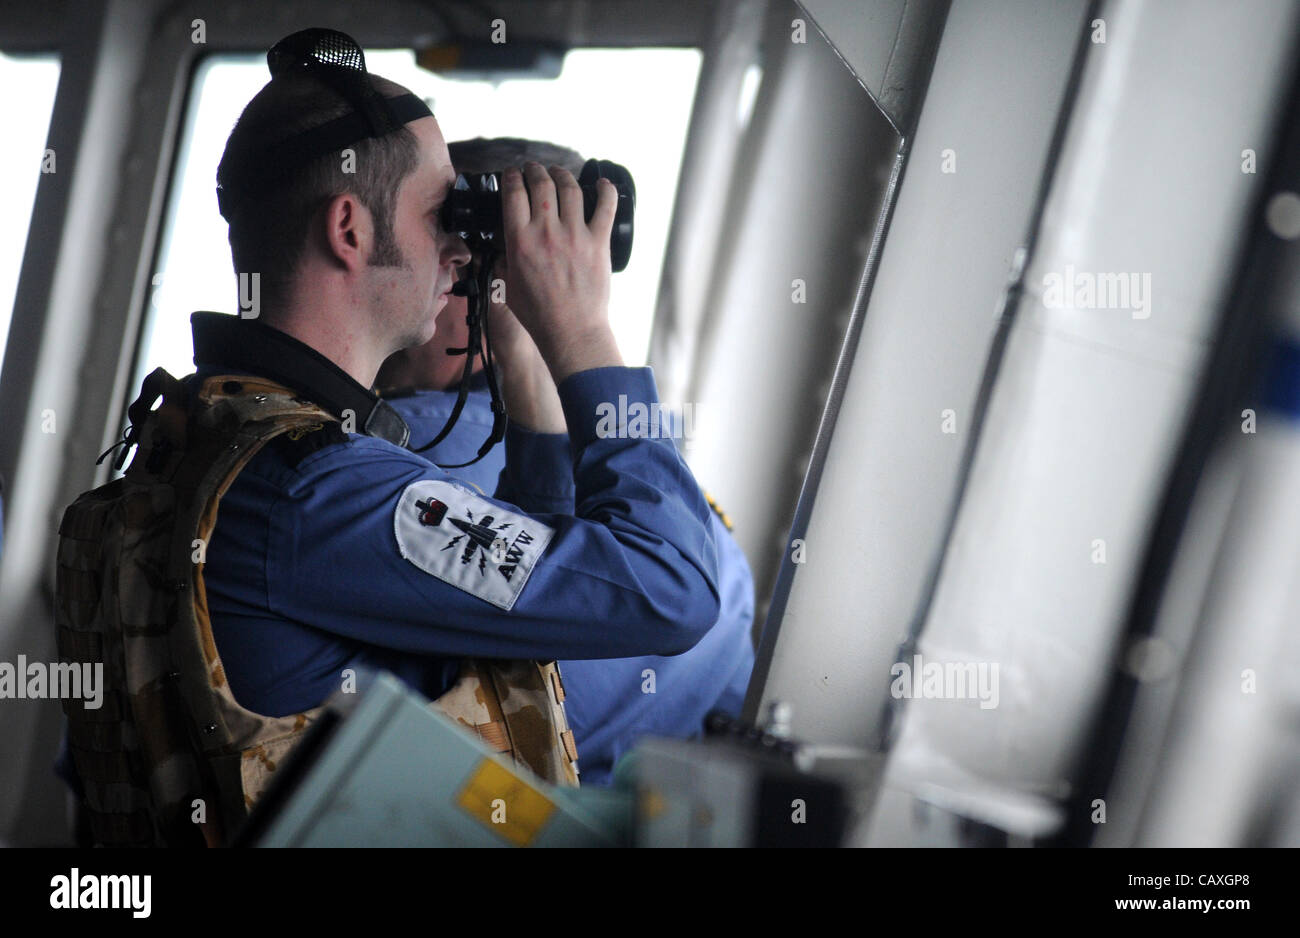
pixel 130 594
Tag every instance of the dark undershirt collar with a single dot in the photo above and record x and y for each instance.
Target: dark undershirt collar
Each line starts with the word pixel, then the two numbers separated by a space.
pixel 246 345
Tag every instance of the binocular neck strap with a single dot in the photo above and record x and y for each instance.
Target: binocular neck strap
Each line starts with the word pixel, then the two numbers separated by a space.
pixel 479 343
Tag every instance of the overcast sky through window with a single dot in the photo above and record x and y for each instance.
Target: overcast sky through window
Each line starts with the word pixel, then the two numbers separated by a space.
pixel 26 119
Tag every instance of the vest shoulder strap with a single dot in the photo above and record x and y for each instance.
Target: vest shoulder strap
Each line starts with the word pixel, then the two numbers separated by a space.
pixel 170 752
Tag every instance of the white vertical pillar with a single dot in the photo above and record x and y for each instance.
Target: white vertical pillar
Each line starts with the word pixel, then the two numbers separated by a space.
pixel 1135 247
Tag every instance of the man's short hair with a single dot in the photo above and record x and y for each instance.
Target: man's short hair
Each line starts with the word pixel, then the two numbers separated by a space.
pixel 268 231
pixel 492 155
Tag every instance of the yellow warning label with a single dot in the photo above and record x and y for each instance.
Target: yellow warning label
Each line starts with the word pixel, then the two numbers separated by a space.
pixel 505 804
pixel 651 804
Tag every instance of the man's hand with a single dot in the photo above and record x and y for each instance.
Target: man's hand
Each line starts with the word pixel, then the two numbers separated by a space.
pixel 559 268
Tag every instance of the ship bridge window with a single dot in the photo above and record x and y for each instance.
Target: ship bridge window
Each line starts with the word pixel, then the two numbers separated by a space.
pixel 23 159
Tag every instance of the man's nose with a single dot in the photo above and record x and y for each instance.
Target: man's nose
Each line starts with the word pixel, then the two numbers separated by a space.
pixel 457 253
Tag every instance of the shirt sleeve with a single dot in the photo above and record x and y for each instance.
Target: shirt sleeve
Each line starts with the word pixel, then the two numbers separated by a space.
pixel 733 632
pixel 371 542
pixel 538 471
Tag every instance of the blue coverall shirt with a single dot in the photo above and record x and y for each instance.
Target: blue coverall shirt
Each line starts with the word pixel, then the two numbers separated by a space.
pixel 346 554
pixel 611 702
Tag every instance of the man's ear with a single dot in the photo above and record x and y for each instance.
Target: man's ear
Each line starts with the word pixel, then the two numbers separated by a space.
pixel 348 231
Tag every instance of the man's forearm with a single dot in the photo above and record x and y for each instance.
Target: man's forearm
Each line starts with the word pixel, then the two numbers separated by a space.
pixel 529 381
pixel 582 352
pixel 529 393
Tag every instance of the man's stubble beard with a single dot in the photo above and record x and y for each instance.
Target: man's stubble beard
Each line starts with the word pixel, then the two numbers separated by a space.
pixel 420 325
pixel 387 253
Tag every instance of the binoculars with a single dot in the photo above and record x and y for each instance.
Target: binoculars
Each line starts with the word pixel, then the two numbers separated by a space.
pixel 473 208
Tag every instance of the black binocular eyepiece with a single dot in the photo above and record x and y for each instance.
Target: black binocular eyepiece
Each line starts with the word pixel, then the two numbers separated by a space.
pixel 473 208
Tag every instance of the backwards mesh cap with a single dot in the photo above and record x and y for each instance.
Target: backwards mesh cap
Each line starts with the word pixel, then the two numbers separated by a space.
pixel 334 59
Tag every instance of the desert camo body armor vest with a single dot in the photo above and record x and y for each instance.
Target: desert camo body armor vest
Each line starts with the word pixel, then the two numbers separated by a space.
pixel 171 757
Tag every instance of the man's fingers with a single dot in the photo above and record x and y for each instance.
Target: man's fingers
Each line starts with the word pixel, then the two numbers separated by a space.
pixel 515 213
pixel 570 196
pixel 541 191
pixel 602 220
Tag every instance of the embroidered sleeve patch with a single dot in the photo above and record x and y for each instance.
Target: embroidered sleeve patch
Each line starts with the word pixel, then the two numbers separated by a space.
pixel 467 541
